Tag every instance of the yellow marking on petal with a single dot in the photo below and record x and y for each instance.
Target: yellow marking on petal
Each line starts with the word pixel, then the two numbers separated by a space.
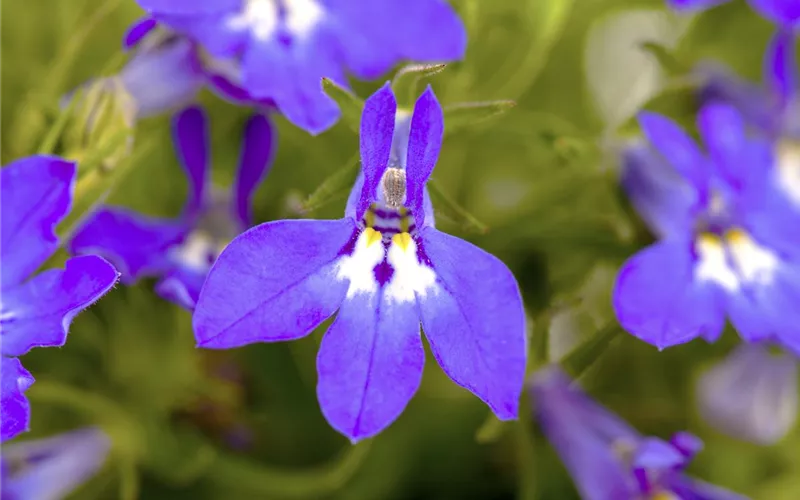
pixel 372 236
pixel 369 219
pixel 664 495
pixel 709 240
pixel 403 240
pixel 736 235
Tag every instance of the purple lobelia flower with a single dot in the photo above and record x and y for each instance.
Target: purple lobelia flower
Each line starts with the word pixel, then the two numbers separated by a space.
pixel 282 48
pixel 51 468
pixel 785 13
pixel 723 250
pixel 607 458
pixel 180 251
pixel 165 72
pixel 751 395
pixel 37 309
pixel 773 109
pixel 385 268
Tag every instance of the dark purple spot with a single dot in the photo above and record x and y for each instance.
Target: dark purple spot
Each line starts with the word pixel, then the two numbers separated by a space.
pixel 350 246
pixel 383 272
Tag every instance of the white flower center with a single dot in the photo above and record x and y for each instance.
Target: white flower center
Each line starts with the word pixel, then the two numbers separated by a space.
pixel 734 260
pixel 411 278
pixel 262 17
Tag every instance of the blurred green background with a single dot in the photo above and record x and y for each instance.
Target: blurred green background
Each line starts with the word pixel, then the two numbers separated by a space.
pixel 245 423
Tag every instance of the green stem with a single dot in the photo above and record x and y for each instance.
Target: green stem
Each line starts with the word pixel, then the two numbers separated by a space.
pixel 264 482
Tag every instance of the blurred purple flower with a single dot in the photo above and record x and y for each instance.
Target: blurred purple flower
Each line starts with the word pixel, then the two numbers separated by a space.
pixel 785 13
pixel 51 468
pixel 723 247
pixel 180 251
pixel 284 48
pixel 773 109
pixel 36 310
pixel 751 395
pixel 607 458
pixel 385 268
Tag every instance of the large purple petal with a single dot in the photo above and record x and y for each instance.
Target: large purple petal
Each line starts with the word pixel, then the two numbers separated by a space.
pixel 15 411
pixel 163 78
pixel 694 5
pixel 35 194
pixel 190 7
pixel 764 305
pixel 370 364
pixel 752 100
pixel 375 35
pixel 677 147
pixel 780 66
pixel 751 395
pixel 292 75
pixel 137 245
pixel 783 12
pixel 276 281
pixel 258 151
pixel 38 313
pixel 190 134
pixel 664 200
pixel 691 489
pixel 744 163
pixel 424 143
pixel 475 321
pixel 585 435
pixel 377 128
pixel 182 286
pixel 138 30
pixel 51 468
pixel 658 298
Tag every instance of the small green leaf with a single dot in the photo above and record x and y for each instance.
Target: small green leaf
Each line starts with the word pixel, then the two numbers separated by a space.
pixel 350 104
pixel 491 430
pixel 666 58
pixel 461 116
pixel 406 81
pixel 333 187
pixel 585 355
pixel 453 211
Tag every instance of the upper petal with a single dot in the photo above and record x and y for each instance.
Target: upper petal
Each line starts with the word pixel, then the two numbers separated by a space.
pixel 137 245
pixel 751 395
pixel 15 411
pixel 677 147
pixel 190 7
pixel 377 128
pixel 51 468
pixel 424 143
pixel 35 194
pixel 258 151
pixel 370 364
pixel 276 281
pixel 658 299
pixel 783 12
pixel 780 66
pixel 475 321
pixel 138 30
pixel 190 134
pixel 664 200
pixel 753 101
pixel 38 313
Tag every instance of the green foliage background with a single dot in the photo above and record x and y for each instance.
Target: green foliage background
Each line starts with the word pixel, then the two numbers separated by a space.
pixel 541 177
